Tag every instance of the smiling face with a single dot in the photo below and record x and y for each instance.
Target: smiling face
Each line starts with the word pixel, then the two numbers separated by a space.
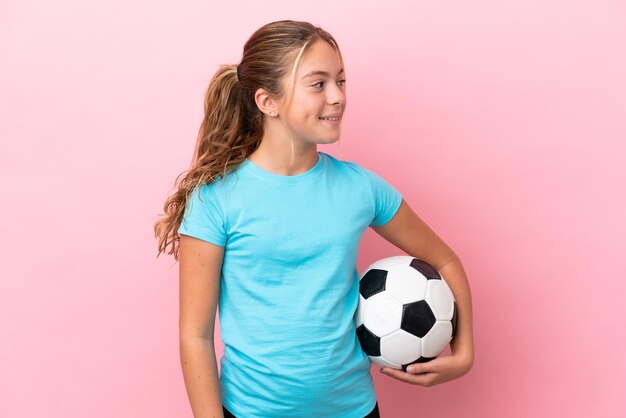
pixel 319 92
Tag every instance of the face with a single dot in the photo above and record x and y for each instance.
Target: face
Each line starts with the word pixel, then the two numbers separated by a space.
pixel 317 96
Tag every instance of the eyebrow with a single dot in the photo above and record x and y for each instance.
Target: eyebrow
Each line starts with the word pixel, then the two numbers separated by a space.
pixel 319 72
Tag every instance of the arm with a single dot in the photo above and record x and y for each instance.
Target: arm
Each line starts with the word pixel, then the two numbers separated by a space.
pixel 200 267
pixel 409 233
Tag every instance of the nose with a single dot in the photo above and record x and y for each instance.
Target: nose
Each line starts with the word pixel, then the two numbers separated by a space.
pixel 336 95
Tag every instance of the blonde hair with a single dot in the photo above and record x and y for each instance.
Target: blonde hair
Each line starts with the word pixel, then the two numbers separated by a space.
pixel 232 127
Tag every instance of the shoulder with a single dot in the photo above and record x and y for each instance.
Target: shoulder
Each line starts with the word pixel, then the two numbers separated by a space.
pixel 208 194
pixel 344 165
pixel 354 168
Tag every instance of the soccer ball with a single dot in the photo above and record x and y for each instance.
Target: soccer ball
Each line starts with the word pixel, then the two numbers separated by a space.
pixel 406 312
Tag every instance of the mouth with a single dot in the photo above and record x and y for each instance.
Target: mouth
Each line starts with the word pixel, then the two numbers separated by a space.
pixel 332 119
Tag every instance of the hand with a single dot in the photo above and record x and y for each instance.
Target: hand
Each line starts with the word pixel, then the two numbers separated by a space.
pixel 434 372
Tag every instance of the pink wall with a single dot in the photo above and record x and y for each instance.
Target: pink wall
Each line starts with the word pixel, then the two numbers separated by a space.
pixel 502 124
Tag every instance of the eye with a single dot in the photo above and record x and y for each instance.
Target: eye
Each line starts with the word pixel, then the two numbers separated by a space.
pixel 321 82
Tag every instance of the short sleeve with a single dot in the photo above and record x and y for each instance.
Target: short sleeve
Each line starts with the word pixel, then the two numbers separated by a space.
pixel 387 199
pixel 204 216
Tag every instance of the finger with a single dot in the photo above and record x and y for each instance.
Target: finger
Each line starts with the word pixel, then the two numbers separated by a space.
pixel 397 372
pixel 431 366
pixel 419 368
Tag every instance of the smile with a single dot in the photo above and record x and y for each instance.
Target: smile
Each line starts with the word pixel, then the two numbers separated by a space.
pixel 331 121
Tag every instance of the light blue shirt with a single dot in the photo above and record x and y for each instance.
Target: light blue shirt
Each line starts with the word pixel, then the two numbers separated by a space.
pixel 289 285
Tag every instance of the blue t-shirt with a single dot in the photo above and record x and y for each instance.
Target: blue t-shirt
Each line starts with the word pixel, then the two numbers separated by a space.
pixel 289 285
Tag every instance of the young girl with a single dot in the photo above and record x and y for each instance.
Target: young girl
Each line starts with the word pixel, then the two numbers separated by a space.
pixel 269 228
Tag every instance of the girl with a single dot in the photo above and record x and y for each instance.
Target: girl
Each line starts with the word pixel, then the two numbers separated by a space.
pixel 268 228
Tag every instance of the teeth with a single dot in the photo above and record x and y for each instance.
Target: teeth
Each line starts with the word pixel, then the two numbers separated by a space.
pixel 329 118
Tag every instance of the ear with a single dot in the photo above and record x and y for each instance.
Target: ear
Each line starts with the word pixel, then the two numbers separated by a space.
pixel 265 103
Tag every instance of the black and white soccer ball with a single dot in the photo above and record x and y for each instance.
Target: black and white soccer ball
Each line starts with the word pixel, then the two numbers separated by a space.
pixel 406 312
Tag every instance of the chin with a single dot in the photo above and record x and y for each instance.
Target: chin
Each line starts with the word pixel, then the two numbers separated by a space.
pixel 329 140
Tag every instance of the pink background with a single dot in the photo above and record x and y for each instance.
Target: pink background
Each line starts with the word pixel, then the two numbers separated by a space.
pixel 503 125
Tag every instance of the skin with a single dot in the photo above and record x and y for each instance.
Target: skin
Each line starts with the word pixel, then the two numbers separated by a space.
pixel 313 97
pixel 322 95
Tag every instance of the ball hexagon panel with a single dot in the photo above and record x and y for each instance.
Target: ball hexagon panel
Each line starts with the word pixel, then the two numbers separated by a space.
pixel 439 297
pixel 382 362
pixel 417 318
pixel 406 284
pixel 391 262
pixel 437 339
pixel 382 314
pixel 400 347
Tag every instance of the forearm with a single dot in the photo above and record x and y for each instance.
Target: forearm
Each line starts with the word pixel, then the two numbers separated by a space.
pixel 455 277
pixel 199 365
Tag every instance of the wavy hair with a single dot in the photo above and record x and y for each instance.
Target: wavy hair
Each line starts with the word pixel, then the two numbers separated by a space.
pixel 232 127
